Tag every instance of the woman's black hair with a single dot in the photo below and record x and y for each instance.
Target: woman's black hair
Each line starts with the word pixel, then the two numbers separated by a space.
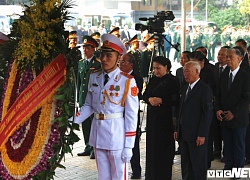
pixel 163 61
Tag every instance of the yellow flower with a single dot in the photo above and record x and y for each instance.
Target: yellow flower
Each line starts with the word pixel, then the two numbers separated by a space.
pixel 22 169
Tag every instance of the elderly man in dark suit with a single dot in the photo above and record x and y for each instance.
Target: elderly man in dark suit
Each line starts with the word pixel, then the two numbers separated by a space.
pixel 232 100
pixel 219 68
pixel 127 62
pixel 194 122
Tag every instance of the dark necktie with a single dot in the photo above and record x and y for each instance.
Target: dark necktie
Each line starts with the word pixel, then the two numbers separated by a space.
pixel 230 80
pixel 106 78
pixel 188 91
pixel 220 70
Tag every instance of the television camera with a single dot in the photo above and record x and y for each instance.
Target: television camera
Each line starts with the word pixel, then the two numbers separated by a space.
pixel 156 23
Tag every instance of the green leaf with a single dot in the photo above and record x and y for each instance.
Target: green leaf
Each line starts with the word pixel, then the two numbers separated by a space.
pixel 59 96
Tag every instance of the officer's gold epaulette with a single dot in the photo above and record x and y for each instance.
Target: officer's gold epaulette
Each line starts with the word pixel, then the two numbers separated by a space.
pixel 96 70
pixel 144 50
pixel 81 59
pixel 130 51
pixel 127 75
pixel 98 59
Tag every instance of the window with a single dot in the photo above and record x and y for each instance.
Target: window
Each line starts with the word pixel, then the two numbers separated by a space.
pixel 147 2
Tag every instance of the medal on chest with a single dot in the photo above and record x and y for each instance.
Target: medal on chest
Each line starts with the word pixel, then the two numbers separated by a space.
pixel 113 91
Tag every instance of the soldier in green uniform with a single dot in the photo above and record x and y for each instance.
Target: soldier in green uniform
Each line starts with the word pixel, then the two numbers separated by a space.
pixel 197 38
pixel 96 36
pixel 177 39
pixel 212 40
pixel 226 36
pixel 188 40
pixel 116 32
pixel 205 37
pixel 85 66
pixel 134 45
pixel 234 35
pixel 146 55
pixel 74 53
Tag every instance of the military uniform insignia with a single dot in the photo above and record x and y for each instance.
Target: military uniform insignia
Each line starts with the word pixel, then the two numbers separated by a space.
pixel 127 75
pixel 117 88
pixel 85 41
pixel 112 87
pixel 98 59
pixel 106 43
pixel 97 70
pixel 134 91
pixel 116 78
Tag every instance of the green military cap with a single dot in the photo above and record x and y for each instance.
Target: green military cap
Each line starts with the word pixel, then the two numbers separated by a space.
pixel 134 39
pixel 89 41
pixel 150 39
pixel 72 35
pixel 115 31
pixel 96 35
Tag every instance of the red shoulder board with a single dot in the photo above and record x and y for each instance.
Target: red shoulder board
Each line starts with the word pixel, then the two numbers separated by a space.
pixel 127 75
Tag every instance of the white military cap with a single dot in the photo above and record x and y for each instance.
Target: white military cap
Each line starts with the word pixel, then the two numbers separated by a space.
pixel 112 43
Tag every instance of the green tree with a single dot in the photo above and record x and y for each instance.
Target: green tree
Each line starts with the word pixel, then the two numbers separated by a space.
pixel 229 16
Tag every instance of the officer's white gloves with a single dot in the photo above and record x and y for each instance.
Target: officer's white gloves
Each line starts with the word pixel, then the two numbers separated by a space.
pixel 127 154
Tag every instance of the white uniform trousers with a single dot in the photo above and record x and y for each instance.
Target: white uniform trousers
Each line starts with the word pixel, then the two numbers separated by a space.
pixel 110 165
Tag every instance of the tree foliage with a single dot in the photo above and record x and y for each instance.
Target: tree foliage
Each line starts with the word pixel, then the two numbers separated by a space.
pixel 229 16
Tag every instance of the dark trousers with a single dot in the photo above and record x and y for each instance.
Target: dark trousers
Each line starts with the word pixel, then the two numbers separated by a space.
pixel 248 142
pixel 135 160
pixel 86 127
pixel 210 147
pixel 234 145
pixel 193 160
pixel 217 136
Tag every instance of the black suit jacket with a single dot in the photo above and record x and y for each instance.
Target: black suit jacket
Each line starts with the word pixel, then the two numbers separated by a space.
pixel 217 73
pixel 245 60
pixel 195 115
pixel 180 76
pixel 123 35
pixel 236 99
pixel 244 64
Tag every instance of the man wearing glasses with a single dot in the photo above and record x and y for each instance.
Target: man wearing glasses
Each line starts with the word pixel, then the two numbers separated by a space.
pixel 126 65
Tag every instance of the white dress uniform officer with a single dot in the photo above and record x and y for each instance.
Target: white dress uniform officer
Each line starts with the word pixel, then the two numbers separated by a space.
pixel 112 97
